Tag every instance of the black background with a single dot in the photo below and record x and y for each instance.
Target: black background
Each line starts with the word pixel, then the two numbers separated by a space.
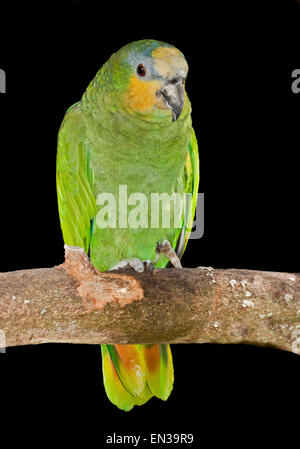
pixel 241 56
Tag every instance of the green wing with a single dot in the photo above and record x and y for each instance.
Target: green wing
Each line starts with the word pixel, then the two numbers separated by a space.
pixel 191 180
pixel 74 179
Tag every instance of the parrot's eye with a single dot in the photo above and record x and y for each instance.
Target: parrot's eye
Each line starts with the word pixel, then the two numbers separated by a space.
pixel 140 70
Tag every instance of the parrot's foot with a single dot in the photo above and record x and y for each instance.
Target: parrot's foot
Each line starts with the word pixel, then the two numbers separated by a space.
pixel 135 263
pixel 166 248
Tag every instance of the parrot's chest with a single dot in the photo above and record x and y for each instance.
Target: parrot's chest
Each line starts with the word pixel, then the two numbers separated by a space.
pixel 138 192
pixel 143 165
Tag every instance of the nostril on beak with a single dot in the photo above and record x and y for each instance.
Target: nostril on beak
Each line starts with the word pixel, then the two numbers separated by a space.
pixel 176 80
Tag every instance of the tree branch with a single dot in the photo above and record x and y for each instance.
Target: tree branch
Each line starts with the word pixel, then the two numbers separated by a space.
pixel 75 303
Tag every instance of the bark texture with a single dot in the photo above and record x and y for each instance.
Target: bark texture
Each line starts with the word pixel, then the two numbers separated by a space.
pixel 75 303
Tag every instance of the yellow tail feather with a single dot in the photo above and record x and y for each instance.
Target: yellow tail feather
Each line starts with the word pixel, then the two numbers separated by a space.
pixel 132 374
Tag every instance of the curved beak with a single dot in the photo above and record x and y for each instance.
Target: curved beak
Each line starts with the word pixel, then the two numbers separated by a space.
pixel 172 93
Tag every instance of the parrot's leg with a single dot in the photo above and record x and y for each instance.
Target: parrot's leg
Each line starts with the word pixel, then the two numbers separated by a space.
pixel 135 263
pixel 166 248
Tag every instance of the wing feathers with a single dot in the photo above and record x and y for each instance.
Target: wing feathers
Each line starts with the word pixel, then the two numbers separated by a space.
pixel 76 201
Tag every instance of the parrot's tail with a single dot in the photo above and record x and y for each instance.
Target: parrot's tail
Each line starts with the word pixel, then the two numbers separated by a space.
pixel 132 374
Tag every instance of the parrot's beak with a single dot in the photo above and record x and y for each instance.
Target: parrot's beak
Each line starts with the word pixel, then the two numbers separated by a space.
pixel 172 93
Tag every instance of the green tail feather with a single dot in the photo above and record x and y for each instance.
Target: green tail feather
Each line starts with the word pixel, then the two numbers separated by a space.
pixel 113 386
pixel 159 368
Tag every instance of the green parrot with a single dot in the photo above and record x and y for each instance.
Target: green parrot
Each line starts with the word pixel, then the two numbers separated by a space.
pixel 132 128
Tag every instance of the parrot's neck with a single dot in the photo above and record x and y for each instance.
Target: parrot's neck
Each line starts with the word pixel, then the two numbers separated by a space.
pixel 128 138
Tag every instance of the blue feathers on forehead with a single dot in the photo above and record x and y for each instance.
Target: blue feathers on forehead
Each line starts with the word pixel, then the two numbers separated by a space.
pixel 140 52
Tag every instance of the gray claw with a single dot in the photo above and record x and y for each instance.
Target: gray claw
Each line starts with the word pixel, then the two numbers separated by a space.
pixel 148 265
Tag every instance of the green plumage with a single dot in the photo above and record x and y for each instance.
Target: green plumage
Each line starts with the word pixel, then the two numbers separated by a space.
pixel 103 144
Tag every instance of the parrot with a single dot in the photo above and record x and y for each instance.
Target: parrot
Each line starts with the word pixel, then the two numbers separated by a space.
pixel 132 127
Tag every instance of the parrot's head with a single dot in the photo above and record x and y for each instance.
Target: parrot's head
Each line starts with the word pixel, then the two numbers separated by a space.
pixel 147 78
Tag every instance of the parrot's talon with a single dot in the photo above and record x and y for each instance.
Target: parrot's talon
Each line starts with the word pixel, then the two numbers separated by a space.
pixel 166 248
pixel 135 263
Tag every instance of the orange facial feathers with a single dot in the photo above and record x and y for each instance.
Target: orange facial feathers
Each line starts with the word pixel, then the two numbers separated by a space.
pixel 141 95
